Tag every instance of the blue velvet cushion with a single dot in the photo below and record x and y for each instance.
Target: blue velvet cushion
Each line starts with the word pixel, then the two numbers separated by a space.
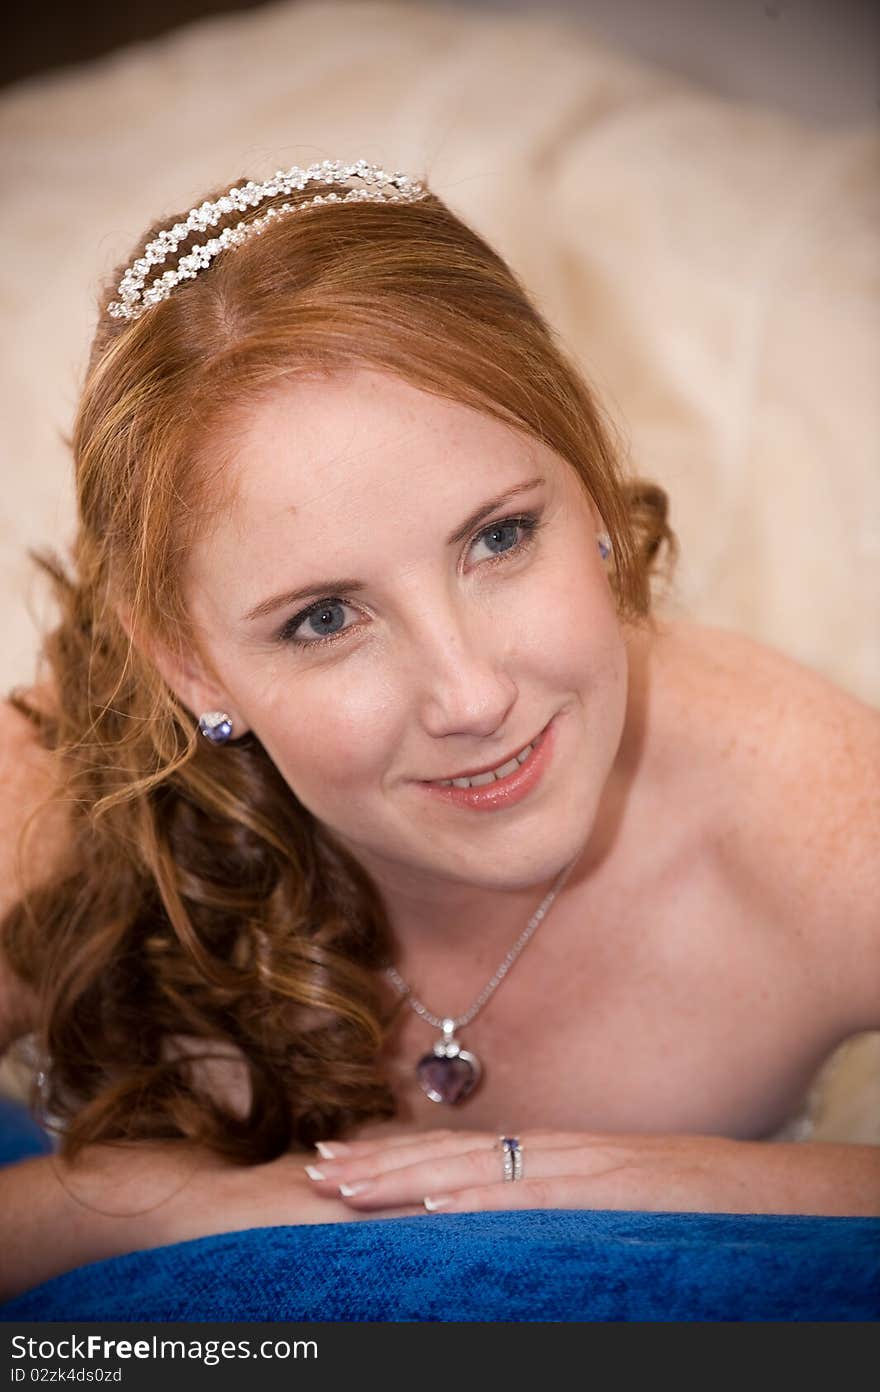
pixel 537 1264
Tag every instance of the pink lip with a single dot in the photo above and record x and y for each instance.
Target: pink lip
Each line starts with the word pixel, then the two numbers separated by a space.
pixel 474 773
pixel 504 791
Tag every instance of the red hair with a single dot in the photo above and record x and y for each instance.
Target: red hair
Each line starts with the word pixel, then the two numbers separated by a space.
pixel 201 900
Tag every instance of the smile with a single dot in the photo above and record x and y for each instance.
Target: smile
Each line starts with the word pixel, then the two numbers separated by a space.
pixel 508 783
pixel 479 780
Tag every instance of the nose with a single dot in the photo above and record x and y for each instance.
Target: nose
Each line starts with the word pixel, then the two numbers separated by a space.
pixel 462 677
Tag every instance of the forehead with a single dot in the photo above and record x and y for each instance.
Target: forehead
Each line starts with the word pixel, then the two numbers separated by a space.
pixel 325 446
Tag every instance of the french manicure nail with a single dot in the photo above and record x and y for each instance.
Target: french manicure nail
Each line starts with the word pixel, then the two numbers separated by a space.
pixel 313 1172
pixel 438 1201
pixel 349 1190
pixel 330 1152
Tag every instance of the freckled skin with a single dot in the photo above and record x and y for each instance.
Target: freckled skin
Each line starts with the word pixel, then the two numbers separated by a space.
pixel 450 662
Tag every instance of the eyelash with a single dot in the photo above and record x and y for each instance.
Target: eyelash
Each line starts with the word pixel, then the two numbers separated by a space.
pixel 528 522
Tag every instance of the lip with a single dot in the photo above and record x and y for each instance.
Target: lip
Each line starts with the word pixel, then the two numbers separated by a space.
pixel 475 773
pixel 503 792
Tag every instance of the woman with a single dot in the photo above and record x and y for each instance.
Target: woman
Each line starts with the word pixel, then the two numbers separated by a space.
pixel 274 915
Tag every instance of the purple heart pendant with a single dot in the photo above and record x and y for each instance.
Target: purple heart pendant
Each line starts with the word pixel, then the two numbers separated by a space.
pixel 448 1074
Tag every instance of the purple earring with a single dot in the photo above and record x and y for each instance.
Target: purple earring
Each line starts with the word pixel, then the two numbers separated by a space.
pixel 216 726
pixel 604 541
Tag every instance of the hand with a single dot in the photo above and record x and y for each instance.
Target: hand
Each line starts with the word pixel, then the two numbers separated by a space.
pixel 460 1171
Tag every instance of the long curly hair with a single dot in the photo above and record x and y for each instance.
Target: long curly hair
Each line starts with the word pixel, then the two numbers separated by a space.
pixel 203 912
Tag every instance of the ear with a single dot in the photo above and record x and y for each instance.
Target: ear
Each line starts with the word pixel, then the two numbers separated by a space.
pixel 187 674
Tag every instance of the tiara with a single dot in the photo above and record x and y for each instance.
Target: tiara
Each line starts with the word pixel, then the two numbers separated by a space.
pixel 376 186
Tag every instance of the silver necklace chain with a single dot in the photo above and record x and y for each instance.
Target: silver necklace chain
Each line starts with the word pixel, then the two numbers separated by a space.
pixel 461 1020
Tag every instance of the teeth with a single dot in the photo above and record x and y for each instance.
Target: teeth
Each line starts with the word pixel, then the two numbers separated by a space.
pixel 481 779
pixel 505 769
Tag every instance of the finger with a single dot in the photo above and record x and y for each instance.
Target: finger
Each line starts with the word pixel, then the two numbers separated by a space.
pixel 384 1160
pixel 452 1173
pixel 562 1191
pixel 403 1211
pixel 355 1159
pixel 332 1149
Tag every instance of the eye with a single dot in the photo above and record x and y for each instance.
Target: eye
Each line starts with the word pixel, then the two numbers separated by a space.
pixel 324 621
pixel 508 526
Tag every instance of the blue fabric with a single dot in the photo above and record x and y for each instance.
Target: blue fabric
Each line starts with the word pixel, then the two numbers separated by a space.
pixel 20 1136
pixel 538 1264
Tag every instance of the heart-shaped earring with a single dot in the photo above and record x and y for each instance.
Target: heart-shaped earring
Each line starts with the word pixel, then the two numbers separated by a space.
pixel 216 726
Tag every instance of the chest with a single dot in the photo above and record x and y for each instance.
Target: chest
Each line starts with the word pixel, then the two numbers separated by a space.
pixel 681 1008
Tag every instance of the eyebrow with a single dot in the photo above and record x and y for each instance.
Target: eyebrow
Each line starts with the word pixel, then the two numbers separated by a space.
pixel 349 586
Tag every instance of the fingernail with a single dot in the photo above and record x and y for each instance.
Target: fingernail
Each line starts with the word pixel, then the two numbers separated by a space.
pixel 348 1190
pixel 438 1201
pixel 330 1152
pixel 313 1172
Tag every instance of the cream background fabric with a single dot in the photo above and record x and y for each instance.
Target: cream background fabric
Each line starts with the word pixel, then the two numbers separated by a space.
pixel 715 268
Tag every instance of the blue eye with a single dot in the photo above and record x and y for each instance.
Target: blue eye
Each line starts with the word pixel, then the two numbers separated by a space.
pixel 325 615
pixel 498 529
pixel 325 620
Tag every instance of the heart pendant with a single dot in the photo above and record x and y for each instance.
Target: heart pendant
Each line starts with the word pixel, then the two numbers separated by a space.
pixel 448 1074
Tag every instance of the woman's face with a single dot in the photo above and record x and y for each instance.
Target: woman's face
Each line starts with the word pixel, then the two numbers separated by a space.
pixel 371 652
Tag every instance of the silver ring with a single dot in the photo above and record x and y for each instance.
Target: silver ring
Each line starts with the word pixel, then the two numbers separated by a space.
pixel 512 1153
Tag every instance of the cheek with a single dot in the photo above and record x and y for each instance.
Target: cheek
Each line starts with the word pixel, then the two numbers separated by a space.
pixel 327 730
pixel 568 622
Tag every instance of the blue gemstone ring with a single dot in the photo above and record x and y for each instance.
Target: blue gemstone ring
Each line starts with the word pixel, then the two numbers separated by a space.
pixel 512 1153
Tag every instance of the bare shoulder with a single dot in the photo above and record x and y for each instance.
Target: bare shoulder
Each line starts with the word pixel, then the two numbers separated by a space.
pixel 796 760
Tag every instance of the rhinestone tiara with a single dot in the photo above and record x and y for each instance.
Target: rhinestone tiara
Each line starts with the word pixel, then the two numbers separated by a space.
pixel 376 186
